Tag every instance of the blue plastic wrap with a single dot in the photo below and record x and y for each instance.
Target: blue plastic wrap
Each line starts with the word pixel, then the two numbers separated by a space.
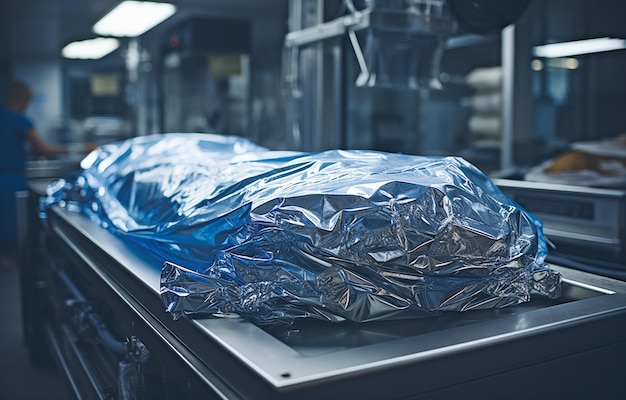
pixel 274 236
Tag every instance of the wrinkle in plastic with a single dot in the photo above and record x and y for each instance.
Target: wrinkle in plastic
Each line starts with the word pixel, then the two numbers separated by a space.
pixel 337 235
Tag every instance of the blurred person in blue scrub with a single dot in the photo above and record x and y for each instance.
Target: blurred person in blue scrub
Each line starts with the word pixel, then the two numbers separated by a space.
pixel 16 131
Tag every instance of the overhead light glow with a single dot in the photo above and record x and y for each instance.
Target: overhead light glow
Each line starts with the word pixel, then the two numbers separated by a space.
pixel 133 18
pixel 91 49
pixel 536 65
pixel 563 63
pixel 579 47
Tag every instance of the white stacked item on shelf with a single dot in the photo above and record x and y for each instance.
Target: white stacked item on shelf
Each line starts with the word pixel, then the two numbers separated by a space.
pixel 485 123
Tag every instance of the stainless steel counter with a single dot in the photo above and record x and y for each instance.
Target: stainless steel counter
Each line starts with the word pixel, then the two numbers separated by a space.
pixel 592 218
pixel 544 345
pixel 53 168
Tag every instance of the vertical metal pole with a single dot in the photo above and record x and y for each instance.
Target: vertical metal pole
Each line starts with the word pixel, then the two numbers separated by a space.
pixel 508 106
pixel 338 116
pixel 305 101
pixel 318 112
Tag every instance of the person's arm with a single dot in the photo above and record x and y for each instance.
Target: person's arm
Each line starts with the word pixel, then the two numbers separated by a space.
pixel 42 147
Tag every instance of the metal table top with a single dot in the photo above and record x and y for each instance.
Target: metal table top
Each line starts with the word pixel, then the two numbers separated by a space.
pixel 314 351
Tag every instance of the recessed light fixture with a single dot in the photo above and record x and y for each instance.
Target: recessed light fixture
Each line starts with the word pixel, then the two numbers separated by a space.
pixel 579 47
pixel 90 49
pixel 133 18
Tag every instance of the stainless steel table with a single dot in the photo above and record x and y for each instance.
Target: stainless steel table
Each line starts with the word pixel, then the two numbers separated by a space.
pixel 571 346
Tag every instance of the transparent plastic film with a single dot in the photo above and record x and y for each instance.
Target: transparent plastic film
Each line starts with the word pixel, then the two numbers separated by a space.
pixel 337 235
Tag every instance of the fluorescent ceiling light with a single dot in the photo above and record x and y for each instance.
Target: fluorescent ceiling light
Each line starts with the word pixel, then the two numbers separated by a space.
pixel 133 18
pixel 90 49
pixel 568 49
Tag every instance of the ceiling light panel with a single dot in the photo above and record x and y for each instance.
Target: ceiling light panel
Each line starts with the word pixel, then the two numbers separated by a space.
pixel 133 18
pixel 579 47
pixel 91 49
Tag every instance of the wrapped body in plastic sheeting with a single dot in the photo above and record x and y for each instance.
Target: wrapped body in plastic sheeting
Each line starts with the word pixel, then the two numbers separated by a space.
pixel 274 236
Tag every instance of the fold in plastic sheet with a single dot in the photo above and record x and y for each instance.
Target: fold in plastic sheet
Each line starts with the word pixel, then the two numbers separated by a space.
pixel 274 236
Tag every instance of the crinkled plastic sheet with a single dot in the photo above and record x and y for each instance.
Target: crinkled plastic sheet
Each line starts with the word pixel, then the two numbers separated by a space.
pixel 274 236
